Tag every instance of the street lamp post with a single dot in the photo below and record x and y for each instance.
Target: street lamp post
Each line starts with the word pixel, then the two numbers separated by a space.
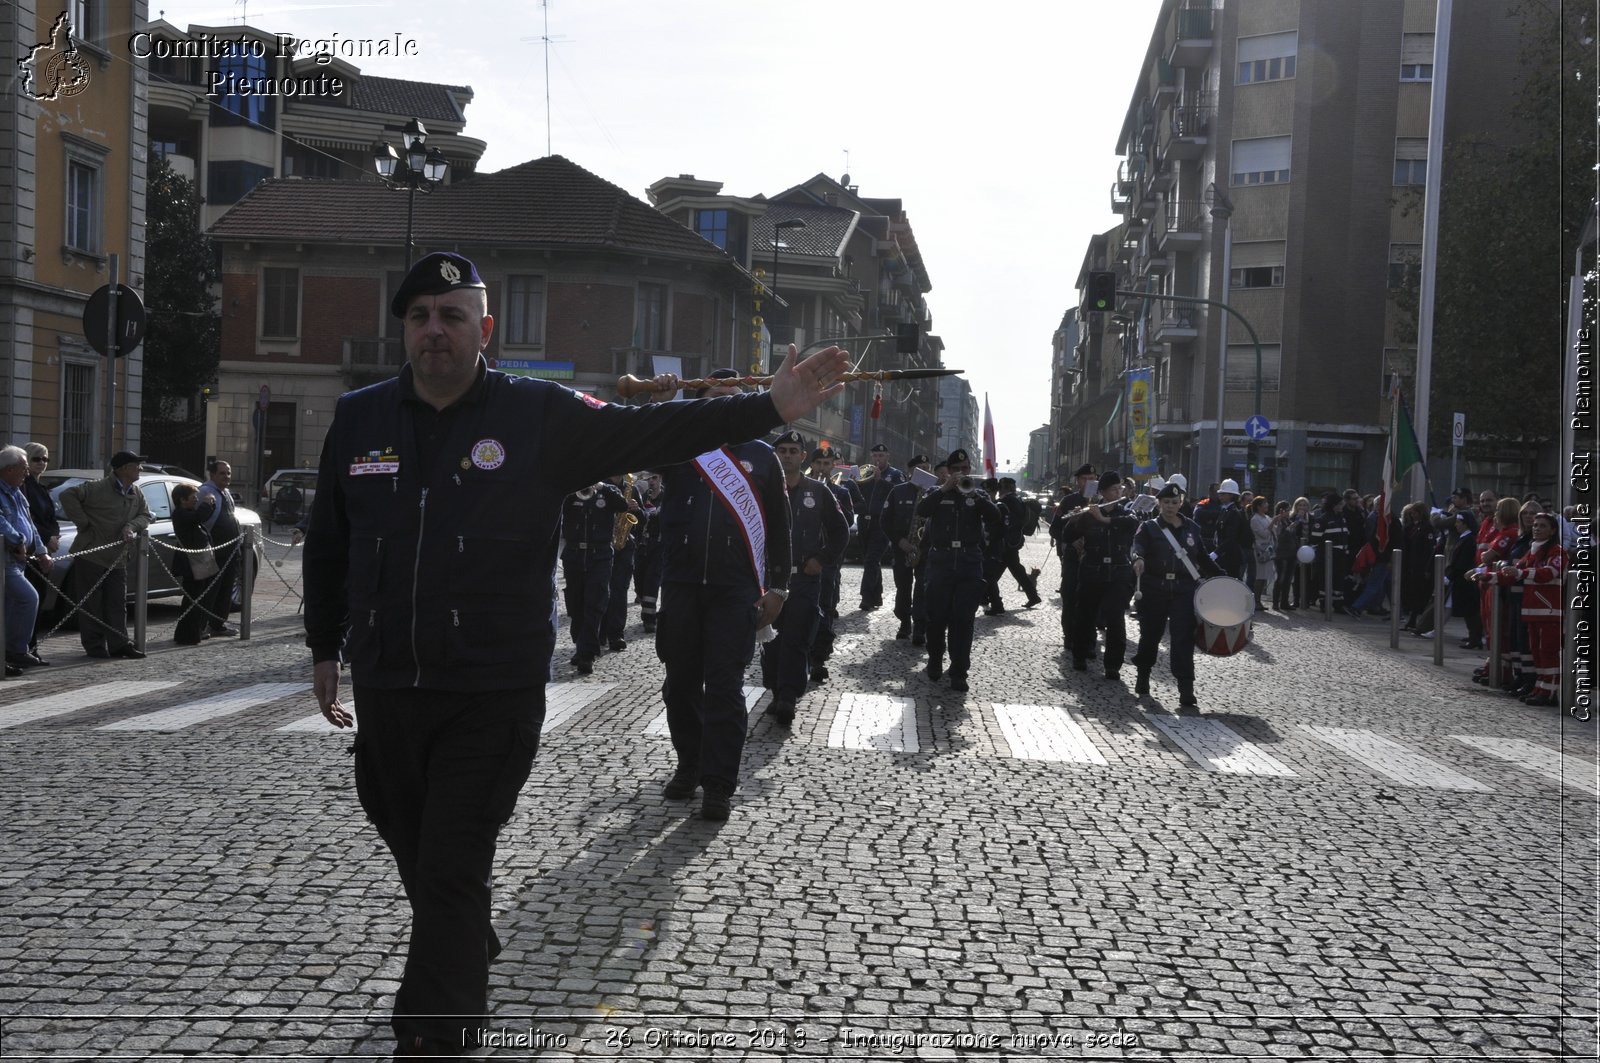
pixel 1222 210
pixel 424 169
pixel 777 242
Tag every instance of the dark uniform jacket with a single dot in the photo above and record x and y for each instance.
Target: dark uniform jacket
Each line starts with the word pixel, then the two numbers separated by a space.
pixel 847 502
pixel 817 527
pixel 1233 540
pixel 589 525
pixel 876 493
pixel 959 525
pixel 440 573
pixel 1016 514
pixel 1164 570
pixel 1058 523
pixel 1328 527
pixel 703 541
pixel 1107 546
pixel 900 514
pixel 42 508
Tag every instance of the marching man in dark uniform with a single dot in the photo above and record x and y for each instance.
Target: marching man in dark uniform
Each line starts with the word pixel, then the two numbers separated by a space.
pixel 899 525
pixel 1105 579
pixel 1069 552
pixel 822 643
pixel 622 561
pixel 869 522
pixel 647 558
pixel 725 530
pixel 1233 540
pixel 958 517
pixel 817 534
pixel 1017 520
pixel 587 519
pixel 466 468
pixel 1169 560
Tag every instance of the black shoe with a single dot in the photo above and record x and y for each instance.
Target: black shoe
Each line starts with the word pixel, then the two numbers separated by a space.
pixel 919 640
pixel 1035 600
pixel 131 652
pixel 935 670
pixel 1113 676
pixel 782 711
pixel 187 642
pixel 22 660
pixel 618 645
pixel 904 632
pixel 819 674
pixel 99 651
pixel 958 683
pixel 716 806
pixel 12 671
pixel 224 633
pixel 584 665
pixel 1186 698
pixel 1141 686
pixel 1079 664
pixel 1470 644
pixel 682 785
pixel 996 610
pixel 649 627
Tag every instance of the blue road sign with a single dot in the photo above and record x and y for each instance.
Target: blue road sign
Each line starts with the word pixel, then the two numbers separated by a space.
pixel 1257 427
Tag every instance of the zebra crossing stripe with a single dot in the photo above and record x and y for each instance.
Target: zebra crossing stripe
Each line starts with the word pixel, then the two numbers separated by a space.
pixel 1577 772
pixel 215 707
pixel 1045 732
pixel 75 700
pixel 563 701
pixel 1390 758
pixel 1216 747
pixel 658 723
pixel 874 721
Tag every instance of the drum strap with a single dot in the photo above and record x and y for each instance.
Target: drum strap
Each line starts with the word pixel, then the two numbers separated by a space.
pixel 1182 554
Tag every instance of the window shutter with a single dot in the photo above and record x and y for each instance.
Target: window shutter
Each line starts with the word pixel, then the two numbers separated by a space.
pixel 1411 147
pixel 1416 48
pixel 1259 154
pixel 1274 45
pixel 1256 253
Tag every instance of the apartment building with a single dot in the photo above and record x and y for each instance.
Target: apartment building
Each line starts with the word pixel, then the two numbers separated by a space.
pixel 1273 156
pixel 72 195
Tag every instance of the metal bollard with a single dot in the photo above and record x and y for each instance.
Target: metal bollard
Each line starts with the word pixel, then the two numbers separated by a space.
pixel 1394 600
pixel 1496 624
pixel 1300 567
pixel 247 579
pixel 141 589
pixel 1327 581
pixel 1438 609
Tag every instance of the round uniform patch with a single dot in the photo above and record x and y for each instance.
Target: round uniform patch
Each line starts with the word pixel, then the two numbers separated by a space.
pixel 972 501
pixel 808 502
pixel 488 454
pixel 599 503
pixel 747 467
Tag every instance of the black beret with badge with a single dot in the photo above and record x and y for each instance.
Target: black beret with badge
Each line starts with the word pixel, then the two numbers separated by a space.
pixel 1170 491
pixel 821 455
pixel 1084 470
pixel 957 457
pixel 435 274
pixel 1110 478
pixel 917 460
pixel 879 448
pixel 791 437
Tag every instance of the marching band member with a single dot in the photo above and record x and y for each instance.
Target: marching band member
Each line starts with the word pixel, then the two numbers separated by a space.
pixel 588 518
pixel 1069 554
pixel 647 559
pixel 1105 582
pixel 1169 559
pixel 1016 513
pixel 725 531
pixel 822 645
pixel 869 522
pixel 958 517
pixel 622 562
pixel 817 534
pixel 899 520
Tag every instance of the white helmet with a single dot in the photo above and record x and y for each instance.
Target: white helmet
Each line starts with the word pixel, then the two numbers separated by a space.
pixel 1181 480
pixel 1156 483
pixel 1228 487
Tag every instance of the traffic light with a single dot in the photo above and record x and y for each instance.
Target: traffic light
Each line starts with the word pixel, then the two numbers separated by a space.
pixel 907 338
pixel 1253 458
pixel 1102 291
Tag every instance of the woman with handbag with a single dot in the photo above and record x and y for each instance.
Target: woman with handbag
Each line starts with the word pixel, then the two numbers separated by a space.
pixel 196 570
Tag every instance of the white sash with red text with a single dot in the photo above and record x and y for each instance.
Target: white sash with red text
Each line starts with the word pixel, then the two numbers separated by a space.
pixel 727 478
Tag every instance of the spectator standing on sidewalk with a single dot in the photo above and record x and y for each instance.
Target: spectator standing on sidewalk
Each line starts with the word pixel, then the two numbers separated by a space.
pixel 466 467
pixel 1461 546
pixel 1417 543
pixel 188 523
pixel 222 524
pixel 1263 548
pixel 109 514
pixel 42 508
pixel 22 543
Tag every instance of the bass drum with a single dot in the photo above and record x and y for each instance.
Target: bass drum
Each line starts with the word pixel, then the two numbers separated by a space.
pixel 1223 609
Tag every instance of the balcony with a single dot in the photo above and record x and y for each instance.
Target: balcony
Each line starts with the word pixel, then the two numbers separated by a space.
pixel 1191 37
pixel 1119 197
pixel 1183 226
pixel 369 359
pixel 1165 82
pixel 1163 176
pixel 1184 131
pixel 1175 324
pixel 1157 263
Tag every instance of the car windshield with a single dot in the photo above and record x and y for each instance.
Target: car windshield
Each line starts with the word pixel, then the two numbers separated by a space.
pixel 296 479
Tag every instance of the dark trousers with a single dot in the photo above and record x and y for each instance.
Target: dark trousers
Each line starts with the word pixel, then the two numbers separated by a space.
pixel 218 602
pixel 1013 565
pixel 1103 596
pixel 822 642
pixel 1286 585
pixel 706 638
pixel 993 565
pixel 955 587
pixel 1160 610
pixel 192 624
pixel 907 584
pixel 588 592
pixel 1070 567
pixel 103 618
pixel 872 565
pixel 617 598
pixel 438 773
pixel 785 661
pixel 647 582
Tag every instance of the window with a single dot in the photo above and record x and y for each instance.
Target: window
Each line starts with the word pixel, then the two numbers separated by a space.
pixel 650 323
pixel 713 225
pixel 86 17
pixel 1405 266
pixel 1416 57
pixel 227 182
pixel 1269 57
pixel 1260 161
pixel 524 310
pixel 1329 470
pixel 1256 264
pixel 311 163
pixel 243 108
pixel 1242 366
pixel 280 302
pixel 1256 277
pixel 155 496
pixel 1410 160
pixel 83 206
pixel 77 417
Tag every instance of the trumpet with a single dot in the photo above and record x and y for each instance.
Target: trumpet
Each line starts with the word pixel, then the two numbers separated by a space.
pixel 583 494
pixel 967 484
pixel 866 472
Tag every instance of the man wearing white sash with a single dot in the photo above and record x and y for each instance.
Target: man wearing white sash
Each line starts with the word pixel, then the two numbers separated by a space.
pixel 725 537
pixel 1168 559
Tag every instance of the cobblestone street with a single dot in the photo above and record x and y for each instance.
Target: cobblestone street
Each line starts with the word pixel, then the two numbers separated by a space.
pixel 1351 852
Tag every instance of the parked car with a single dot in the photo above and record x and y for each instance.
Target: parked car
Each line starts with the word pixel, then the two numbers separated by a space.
pixel 157 489
pixel 287 494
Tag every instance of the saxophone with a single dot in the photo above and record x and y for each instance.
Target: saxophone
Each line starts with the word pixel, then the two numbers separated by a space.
pixel 625 521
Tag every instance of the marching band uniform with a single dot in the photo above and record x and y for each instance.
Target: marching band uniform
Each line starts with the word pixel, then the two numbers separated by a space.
pixel 822 643
pixel 1069 553
pixel 817 532
pixel 1016 514
pixel 1166 596
pixel 1105 580
pixel 622 563
pixel 869 522
pixel 899 522
pixel 953 540
pixel 1232 538
pixel 713 577
pixel 586 563
pixel 647 557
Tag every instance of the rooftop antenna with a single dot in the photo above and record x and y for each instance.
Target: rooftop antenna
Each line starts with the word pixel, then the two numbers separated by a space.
pixel 546 38
pixel 244 12
pixel 846 167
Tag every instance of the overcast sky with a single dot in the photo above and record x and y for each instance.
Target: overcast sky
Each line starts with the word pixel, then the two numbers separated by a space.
pixel 994 124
